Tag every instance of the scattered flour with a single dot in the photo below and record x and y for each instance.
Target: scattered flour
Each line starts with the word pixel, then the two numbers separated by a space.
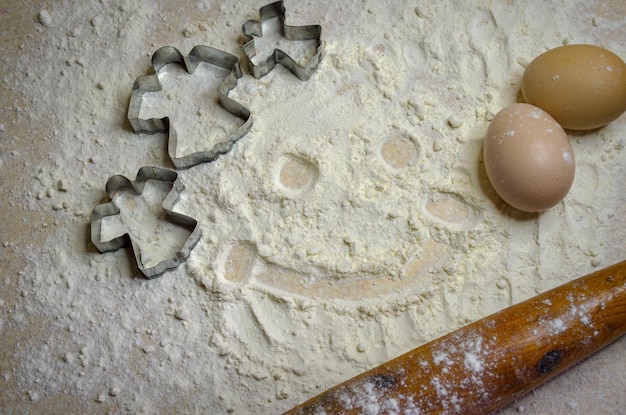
pixel 353 223
pixel 472 362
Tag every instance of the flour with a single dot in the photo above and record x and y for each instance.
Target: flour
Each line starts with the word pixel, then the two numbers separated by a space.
pixel 353 223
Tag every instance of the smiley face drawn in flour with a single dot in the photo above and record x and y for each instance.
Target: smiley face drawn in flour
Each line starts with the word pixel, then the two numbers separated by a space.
pixel 331 197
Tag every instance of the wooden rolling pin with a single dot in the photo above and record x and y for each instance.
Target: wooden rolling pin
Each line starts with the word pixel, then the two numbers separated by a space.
pixel 488 364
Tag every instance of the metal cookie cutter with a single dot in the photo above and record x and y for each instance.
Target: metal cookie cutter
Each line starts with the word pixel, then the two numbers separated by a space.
pixel 149 83
pixel 253 28
pixel 144 174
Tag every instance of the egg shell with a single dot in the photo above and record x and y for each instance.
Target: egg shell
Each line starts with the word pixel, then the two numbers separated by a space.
pixel 528 158
pixel 581 86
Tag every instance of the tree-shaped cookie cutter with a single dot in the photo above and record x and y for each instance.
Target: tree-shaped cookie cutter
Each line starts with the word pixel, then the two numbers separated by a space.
pixel 117 183
pixel 254 28
pixel 150 83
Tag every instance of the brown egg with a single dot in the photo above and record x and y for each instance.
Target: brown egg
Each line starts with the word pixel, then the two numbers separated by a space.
pixel 581 86
pixel 528 158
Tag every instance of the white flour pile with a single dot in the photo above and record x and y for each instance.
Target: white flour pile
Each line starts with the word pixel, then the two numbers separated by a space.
pixel 353 223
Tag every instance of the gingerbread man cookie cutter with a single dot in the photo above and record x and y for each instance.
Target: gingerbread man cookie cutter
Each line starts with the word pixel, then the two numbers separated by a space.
pixel 117 183
pixel 167 55
pixel 254 28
